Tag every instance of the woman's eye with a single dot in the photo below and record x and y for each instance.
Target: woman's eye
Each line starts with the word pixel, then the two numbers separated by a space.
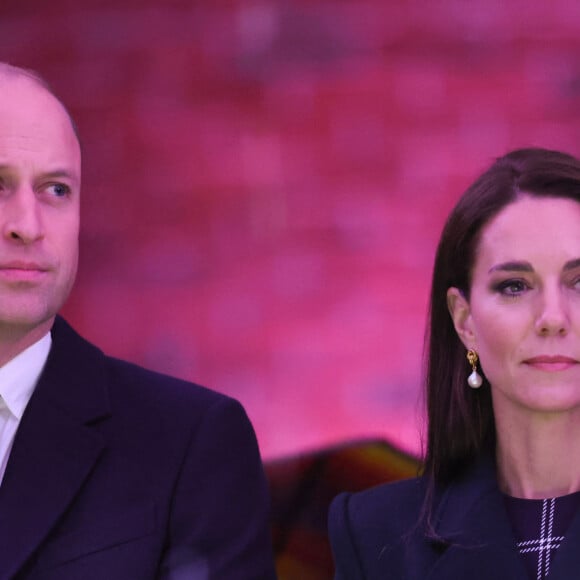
pixel 512 287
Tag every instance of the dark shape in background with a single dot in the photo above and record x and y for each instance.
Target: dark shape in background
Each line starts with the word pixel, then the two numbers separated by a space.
pixel 302 488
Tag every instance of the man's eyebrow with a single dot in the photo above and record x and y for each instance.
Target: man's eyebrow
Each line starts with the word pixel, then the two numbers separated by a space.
pixel 61 173
pixel 54 174
pixel 571 264
pixel 512 267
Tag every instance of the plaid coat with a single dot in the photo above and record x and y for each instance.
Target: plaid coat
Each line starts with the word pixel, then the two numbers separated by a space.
pixel 374 534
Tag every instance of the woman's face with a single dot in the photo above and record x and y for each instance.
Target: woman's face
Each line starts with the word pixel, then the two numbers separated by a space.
pixel 523 314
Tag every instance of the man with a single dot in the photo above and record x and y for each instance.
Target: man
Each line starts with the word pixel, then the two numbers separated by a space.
pixel 107 471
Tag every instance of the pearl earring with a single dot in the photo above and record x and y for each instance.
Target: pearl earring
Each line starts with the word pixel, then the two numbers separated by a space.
pixel 474 380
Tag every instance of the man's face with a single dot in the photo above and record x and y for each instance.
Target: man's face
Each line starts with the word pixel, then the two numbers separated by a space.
pixel 40 171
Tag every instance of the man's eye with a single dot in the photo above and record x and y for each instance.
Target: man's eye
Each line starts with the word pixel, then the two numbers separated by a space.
pixel 59 189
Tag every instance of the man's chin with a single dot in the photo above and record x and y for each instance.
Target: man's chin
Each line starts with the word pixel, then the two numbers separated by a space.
pixel 26 321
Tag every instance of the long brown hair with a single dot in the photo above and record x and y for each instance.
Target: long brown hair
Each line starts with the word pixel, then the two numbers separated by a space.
pixel 460 424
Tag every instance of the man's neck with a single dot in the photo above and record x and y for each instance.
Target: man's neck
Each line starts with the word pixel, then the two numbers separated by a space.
pixel 15 339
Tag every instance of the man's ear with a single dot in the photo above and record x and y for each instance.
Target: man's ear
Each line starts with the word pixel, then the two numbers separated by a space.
pixel 460 312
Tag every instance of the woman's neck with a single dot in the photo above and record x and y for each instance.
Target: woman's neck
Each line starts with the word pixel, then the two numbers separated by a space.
pixel 538 456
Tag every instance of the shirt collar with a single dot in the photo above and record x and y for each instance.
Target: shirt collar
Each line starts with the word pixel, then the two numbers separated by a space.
pixel 18 377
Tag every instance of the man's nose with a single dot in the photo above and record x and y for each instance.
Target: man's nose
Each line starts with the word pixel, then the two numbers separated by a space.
pixel 21 218
pixel 553 317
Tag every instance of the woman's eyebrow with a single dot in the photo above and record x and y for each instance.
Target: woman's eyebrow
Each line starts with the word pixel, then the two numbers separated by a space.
pixel 513 266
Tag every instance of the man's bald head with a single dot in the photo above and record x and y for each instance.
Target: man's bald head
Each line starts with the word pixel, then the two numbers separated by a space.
pixel 10 72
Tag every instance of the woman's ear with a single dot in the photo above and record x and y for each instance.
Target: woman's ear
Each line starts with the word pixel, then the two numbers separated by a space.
pixel 460 312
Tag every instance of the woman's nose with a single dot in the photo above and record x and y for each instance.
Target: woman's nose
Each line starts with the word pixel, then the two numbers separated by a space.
pixel 553 318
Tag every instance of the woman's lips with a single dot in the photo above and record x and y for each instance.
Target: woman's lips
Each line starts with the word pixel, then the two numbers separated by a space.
pixel 551 362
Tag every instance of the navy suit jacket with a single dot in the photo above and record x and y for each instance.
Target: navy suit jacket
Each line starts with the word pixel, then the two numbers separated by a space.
pixel 118 473
pixel 375 534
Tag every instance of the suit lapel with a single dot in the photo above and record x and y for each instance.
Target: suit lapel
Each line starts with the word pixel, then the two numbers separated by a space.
pixel 479 538
pixel 55 447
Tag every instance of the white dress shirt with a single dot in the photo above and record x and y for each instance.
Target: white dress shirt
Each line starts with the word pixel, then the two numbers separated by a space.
pixel 18 378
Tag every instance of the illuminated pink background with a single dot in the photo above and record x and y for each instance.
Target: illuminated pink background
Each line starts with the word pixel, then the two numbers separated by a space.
pixel 265 182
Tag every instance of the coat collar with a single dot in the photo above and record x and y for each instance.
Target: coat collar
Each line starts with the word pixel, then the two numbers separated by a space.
pixel 478 541
pixel 55 447
pixel 476 537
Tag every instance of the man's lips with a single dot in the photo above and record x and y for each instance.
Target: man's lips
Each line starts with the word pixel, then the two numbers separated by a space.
pixel 551 362
pixel 23 271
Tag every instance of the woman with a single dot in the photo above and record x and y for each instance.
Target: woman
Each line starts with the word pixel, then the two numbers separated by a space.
pixel 499 494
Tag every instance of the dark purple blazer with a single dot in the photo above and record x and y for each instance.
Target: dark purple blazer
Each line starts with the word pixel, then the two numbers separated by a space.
pixel 374 534
pixel 119 473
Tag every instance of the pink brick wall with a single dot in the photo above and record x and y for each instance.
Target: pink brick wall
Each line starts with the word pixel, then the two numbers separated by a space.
pixel 264 182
